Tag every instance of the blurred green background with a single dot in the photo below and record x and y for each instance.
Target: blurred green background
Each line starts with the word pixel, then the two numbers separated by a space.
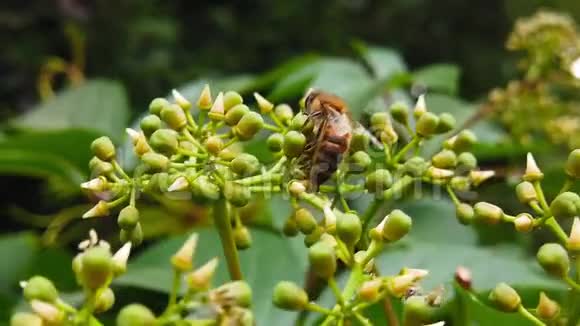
pixel 72 70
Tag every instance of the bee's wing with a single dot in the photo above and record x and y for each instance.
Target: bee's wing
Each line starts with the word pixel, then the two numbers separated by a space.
pixel 360 128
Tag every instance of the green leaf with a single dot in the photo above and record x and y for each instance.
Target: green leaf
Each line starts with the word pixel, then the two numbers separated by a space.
pixel 384 62
pixel 99 105
pixel 441 77
pixel 295 82
pixel 18 251
pixel 271 259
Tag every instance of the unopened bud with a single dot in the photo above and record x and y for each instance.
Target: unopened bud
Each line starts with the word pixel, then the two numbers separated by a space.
pixel 184 103
pixel 329 219
pixel 369 291
pixel 40 288
pixel 389 136
pixel 478 177
pixel 275 142
pixel 48 312
pixel 120 259
pixel 415 166
pixel 99 210
pixel 242 238
pixel 135 314
pixel 573 164
pixel 155 162
pixel 97 267
pixel 204 102
pixel 128 218
pixel 164 141
pixel 505 298
pixel 100 167
pixel 322 260
pixel 554 259
pixel 182 259
pixel 445 159
pixel 103 148
pixel 574 238
pixel 446 123
pixel 105 300
pixel 526 193
pixel 95 185
pixel 173 116
pixel 135 235
pixel 378 180
pixel 231 99
pixel 533 172
pixel 200 279
pixel 565 205
pixel 361 160
pixel 460 183
pixel 289 296
pixel 237 194
pixel 298 121
pixel 294 143
pixel 235 114
pixel 360 140
pixel 305 221
pixel 349 228
pixel 547 308
pixel 296 188
pixel 245 164
pixel 427 124
pixel 420 107
pixel 464 213
pixel 397 225
pixel 400 112
pixel 249 125
pixel 235 293
pixel 400 284
pixel 284 113
pixel 157 104
pixel 264 105
pixel 466 161
pixel 463 277
pixel 218 111
pixel 149 124
pixel 463 141
pixel 524 222
pixel 487 213
pixel 439 174
pixel 380 121
pixel 314 236
pixel 25 319
pixel 418 311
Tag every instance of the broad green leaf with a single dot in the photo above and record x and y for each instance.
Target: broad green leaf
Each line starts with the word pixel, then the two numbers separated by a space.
pixel 271 259
pixel 384 62
pixel 99 105
pixel 442 78
pixel 295 83
pixel 18 252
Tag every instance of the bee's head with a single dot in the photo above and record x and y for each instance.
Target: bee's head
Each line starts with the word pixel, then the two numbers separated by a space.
pixel 311 94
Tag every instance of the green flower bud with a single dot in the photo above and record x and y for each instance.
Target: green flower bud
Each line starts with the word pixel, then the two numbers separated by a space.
pixel 97 267
pixel 505 298
pixel 157 105
pixel 284 113
pixel 415 166
pixel 200 279
pixel 349 229
pixel 128 218
pixel 362 160
pixel 174 116
pixel 103 148
pixel 25 319
pixel 464 213
pixel 232 99
pixel 460 183
pixel 135 315
pixel 155 162
pixel 99 167
pixel 526 192
pixel 264 105
pixel 369 291
pixel 227 155
pixel 389 136
pixel 314 236
pixel 418 311
pixel 397 225
pixel 235 293
pixel 245 164
pixel 427 124
pixel 298 121
pixel 565 205
pixel 524 222
pixel 380 121
pixel 573 164
pixel 275 142
pixel 149 124
pixel 446 123
pixel 235 114
pixel 294 143
pixel 487 213
pixel 466 161
pixel 214 145
pixel 135 235
pixel 400 112
pixel 105 300
pixel 164 141
pixel 554 259
pixel 204 101
pixel 378 180
pixel 305 221
pixel 445 159
pixel 217 111
pixel 322 260
pixel 360 141
pixel 289 296
pixel 547 308
pixel 249 125
pixel 204 190
pixel 463 141
pixel 290 227
pixel 237 194
pixel 242 237
pixel 40 288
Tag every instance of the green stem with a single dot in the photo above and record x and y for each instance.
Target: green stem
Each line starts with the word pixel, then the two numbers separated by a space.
pixel 553 225
pixel 567 185
pixel 316 308
pixel 528 315
pixel 367 217
pixel 405 149
pixel 575 286
pixel 362 320
pixel 224 226
pixel 541 197
pixel 453 196
pixel 336 290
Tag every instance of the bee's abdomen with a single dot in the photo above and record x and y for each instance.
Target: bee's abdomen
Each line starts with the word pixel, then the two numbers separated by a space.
pixel 327 158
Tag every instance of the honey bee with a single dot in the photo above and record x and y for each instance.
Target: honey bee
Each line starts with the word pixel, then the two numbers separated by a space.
pixel 329 139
